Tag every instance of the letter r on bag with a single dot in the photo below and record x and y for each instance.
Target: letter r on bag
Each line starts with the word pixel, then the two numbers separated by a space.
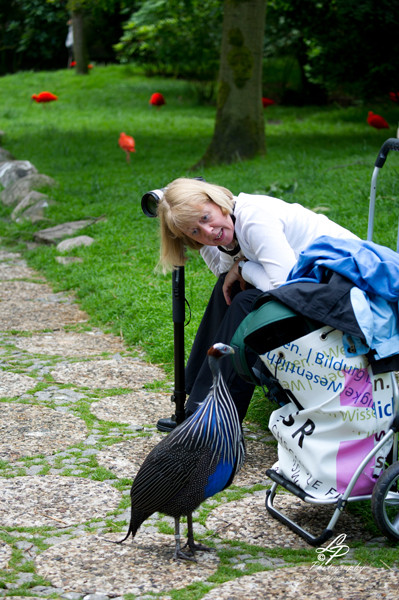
pixel 306 429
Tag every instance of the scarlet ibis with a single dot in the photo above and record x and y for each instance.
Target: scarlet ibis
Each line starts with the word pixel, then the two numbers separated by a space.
pixel 394 96
pixel 377 121
pixel 126 142
pixel 44 97
pixel 157 100
pixel 267 102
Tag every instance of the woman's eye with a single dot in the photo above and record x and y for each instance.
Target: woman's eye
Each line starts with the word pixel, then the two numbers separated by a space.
pixel 205 218
pixel 194 231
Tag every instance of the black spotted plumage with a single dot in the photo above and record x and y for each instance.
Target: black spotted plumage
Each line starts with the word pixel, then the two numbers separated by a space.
pixel 195 461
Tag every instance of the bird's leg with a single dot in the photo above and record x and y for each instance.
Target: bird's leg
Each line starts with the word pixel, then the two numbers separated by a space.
pixel 178 551
pixel 190 537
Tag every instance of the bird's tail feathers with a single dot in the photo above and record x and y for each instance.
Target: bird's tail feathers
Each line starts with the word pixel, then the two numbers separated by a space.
pixel 129 531
pixel 125 538
pixel 134 525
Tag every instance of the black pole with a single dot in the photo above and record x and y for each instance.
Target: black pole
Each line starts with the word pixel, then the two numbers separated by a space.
pixel 178 307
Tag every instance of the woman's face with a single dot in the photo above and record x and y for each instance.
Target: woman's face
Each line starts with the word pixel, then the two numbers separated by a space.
pixel 212 228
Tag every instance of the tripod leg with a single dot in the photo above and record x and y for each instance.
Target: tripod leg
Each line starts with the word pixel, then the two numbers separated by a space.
pixel 179 394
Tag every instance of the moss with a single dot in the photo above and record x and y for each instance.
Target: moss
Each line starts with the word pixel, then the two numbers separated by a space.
pixel 236 37
pixel 241 63
pixel 240 58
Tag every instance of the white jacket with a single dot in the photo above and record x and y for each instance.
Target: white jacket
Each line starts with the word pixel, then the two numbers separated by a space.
pixel 271 234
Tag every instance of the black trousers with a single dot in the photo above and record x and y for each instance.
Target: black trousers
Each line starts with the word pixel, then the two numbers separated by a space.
pixel 219 324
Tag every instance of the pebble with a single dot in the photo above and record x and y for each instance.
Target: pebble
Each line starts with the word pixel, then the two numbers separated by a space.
pixel 34 470
pixel 75 461
pixel 46 591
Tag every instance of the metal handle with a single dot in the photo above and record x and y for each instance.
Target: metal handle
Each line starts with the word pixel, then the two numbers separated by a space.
pixel 390 144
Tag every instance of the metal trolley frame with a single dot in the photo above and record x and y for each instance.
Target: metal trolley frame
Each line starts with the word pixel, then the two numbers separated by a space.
pixel 385 494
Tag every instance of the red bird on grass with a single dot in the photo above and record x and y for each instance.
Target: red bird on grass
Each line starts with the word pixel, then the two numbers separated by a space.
pixel 157 100
pixel 394 96
pixel 126 142
pixel 44 97
pixel 377 121
pixel 267 102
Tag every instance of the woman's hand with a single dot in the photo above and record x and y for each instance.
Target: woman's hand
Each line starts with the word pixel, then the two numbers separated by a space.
pixel 232 276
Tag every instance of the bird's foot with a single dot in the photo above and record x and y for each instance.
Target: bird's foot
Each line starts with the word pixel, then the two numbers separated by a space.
pixel 200 547
pixel 180 555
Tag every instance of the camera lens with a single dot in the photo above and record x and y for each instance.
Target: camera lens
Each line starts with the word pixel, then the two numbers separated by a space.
pixel 150 200
pixel 149 203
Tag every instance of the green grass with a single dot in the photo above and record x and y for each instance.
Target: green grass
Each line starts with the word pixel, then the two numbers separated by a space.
pixel 320 157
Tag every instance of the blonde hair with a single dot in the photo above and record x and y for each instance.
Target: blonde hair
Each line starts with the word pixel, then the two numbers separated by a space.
pixel 181 204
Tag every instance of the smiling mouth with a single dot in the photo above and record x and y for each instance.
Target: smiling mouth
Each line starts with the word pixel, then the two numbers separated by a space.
pixel 217 238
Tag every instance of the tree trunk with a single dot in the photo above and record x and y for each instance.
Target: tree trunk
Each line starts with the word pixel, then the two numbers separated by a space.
pixel 79 43
pixel 239 126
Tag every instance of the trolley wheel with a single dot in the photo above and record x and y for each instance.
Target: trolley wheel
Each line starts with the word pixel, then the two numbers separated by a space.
pixel 385 502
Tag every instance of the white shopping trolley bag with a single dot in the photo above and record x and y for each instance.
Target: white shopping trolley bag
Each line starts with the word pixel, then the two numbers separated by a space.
pixel 338 412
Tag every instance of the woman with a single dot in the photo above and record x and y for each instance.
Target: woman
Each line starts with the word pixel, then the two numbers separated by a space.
pixel 250 242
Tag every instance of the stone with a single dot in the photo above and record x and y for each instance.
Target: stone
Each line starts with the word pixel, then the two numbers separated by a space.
pixel 59 232
pixel 5 155
pixel 12 170
pixel 67 260
pixel 76 242
pixel 17 191
pixel 31 208
pixel 25 577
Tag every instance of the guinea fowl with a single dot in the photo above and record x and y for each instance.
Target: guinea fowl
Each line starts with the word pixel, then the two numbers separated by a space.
pixel 195 461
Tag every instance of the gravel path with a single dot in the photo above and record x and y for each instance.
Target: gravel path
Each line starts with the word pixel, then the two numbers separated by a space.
pixel 76 422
